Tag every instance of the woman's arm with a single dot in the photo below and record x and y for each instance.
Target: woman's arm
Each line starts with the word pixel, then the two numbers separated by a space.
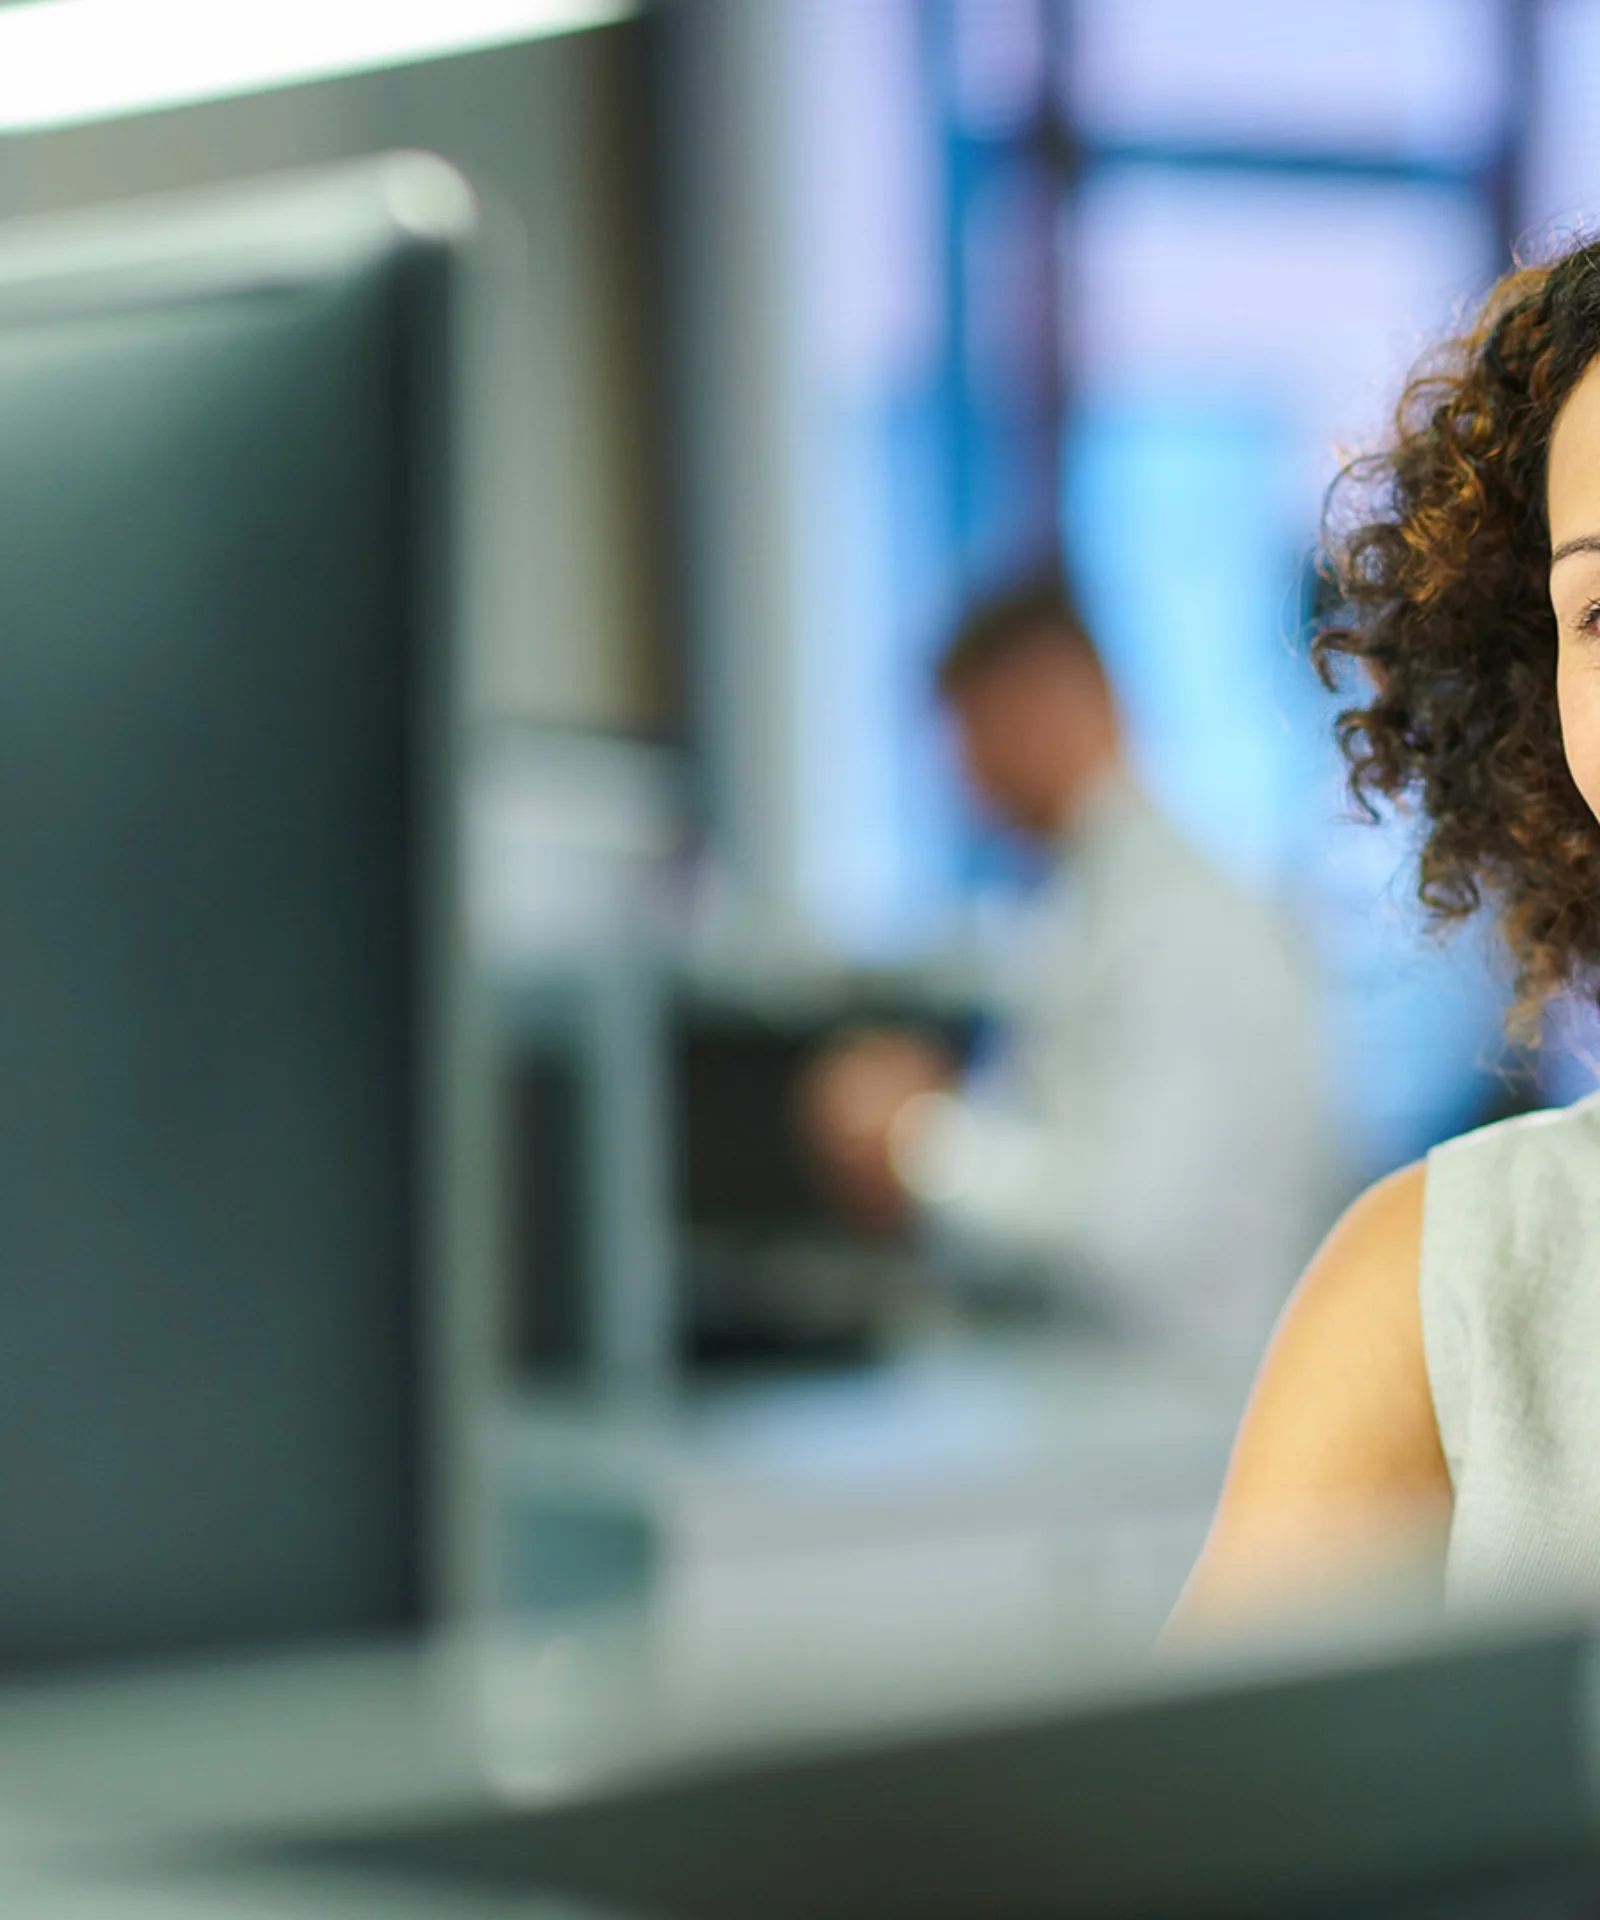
pixel 1337 1477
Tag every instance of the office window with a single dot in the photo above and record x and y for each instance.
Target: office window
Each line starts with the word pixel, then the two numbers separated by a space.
pixel 1562 192
pixel 1420 80
pixel 1229 334
pixel 1307 296
pixel 999 63
pixel 1128 278
pixel 871 313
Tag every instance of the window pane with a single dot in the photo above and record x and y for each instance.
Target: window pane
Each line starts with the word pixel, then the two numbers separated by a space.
pixel 1563 177
pixel 868 286
pixel 998 66
pixel 1419 79
pixel 867 325
pixel 1309 297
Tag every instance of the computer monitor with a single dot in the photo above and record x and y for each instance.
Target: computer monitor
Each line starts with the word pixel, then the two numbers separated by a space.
pixel 237 1285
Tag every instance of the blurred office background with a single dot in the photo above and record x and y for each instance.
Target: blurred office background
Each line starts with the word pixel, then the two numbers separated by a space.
pixel 1126 277
pixel 842 311
pixel 833 314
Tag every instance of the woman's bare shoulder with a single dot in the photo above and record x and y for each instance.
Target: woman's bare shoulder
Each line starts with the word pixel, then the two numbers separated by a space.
pixel 1338 1455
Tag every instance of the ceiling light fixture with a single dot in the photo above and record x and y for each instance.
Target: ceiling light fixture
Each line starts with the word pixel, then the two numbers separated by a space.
pixel 64 62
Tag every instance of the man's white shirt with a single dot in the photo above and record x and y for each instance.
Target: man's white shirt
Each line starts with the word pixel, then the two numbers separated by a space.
pixel 1155 1133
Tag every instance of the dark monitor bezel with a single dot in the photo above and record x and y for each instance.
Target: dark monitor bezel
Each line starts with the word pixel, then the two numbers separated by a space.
pixel 413 217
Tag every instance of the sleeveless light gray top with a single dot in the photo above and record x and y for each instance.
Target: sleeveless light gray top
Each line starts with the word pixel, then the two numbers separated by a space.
pixel 1510 1289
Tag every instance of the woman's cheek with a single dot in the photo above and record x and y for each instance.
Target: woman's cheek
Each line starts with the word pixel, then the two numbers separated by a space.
pixel 1578 697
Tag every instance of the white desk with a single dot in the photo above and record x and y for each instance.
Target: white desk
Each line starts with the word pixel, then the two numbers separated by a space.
pixel 963 1512
pixel 236 1895
pixel 966 1531
pixel 1419 1769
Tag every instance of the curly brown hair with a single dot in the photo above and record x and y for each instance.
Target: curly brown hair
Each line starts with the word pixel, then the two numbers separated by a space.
pixel 1439 548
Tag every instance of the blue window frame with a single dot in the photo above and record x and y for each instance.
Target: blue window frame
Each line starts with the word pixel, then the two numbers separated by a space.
pixel 1154 263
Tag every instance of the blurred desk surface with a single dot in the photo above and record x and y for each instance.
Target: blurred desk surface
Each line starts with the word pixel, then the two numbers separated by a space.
pixel 683 1572
pixel 967 1509
pixel 177 1893
pixel 949 1415
pixel 130 1796
pixel 969 1532
pixel 1402 1776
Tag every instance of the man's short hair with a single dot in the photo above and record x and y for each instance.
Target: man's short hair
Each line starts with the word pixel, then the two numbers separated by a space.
pixel 1037 612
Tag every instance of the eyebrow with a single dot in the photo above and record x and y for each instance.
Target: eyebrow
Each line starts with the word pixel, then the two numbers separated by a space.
pixel 1585 543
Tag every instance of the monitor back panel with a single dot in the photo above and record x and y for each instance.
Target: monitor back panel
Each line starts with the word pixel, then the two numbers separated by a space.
pixel 210 1423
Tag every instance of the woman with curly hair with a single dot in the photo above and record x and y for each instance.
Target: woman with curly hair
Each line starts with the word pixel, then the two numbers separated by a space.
pixel 1434 1379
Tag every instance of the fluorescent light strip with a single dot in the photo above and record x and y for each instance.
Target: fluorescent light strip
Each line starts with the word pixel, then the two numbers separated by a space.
pixel 63 62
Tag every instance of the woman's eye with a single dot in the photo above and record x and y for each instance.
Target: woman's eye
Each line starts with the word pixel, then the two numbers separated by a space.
pixel 1588 621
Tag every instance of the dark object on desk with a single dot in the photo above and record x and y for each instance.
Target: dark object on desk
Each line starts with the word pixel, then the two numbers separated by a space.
pixel 751 1218
pixel 230 1078
pixel 763 1275
pixel 769 1276
pixel 1451 1782
pixel 740 1162
pixel 789 1300
pixel 742 1205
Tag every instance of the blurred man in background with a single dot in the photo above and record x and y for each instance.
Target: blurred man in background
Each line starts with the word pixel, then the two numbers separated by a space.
pixel 1150 1143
